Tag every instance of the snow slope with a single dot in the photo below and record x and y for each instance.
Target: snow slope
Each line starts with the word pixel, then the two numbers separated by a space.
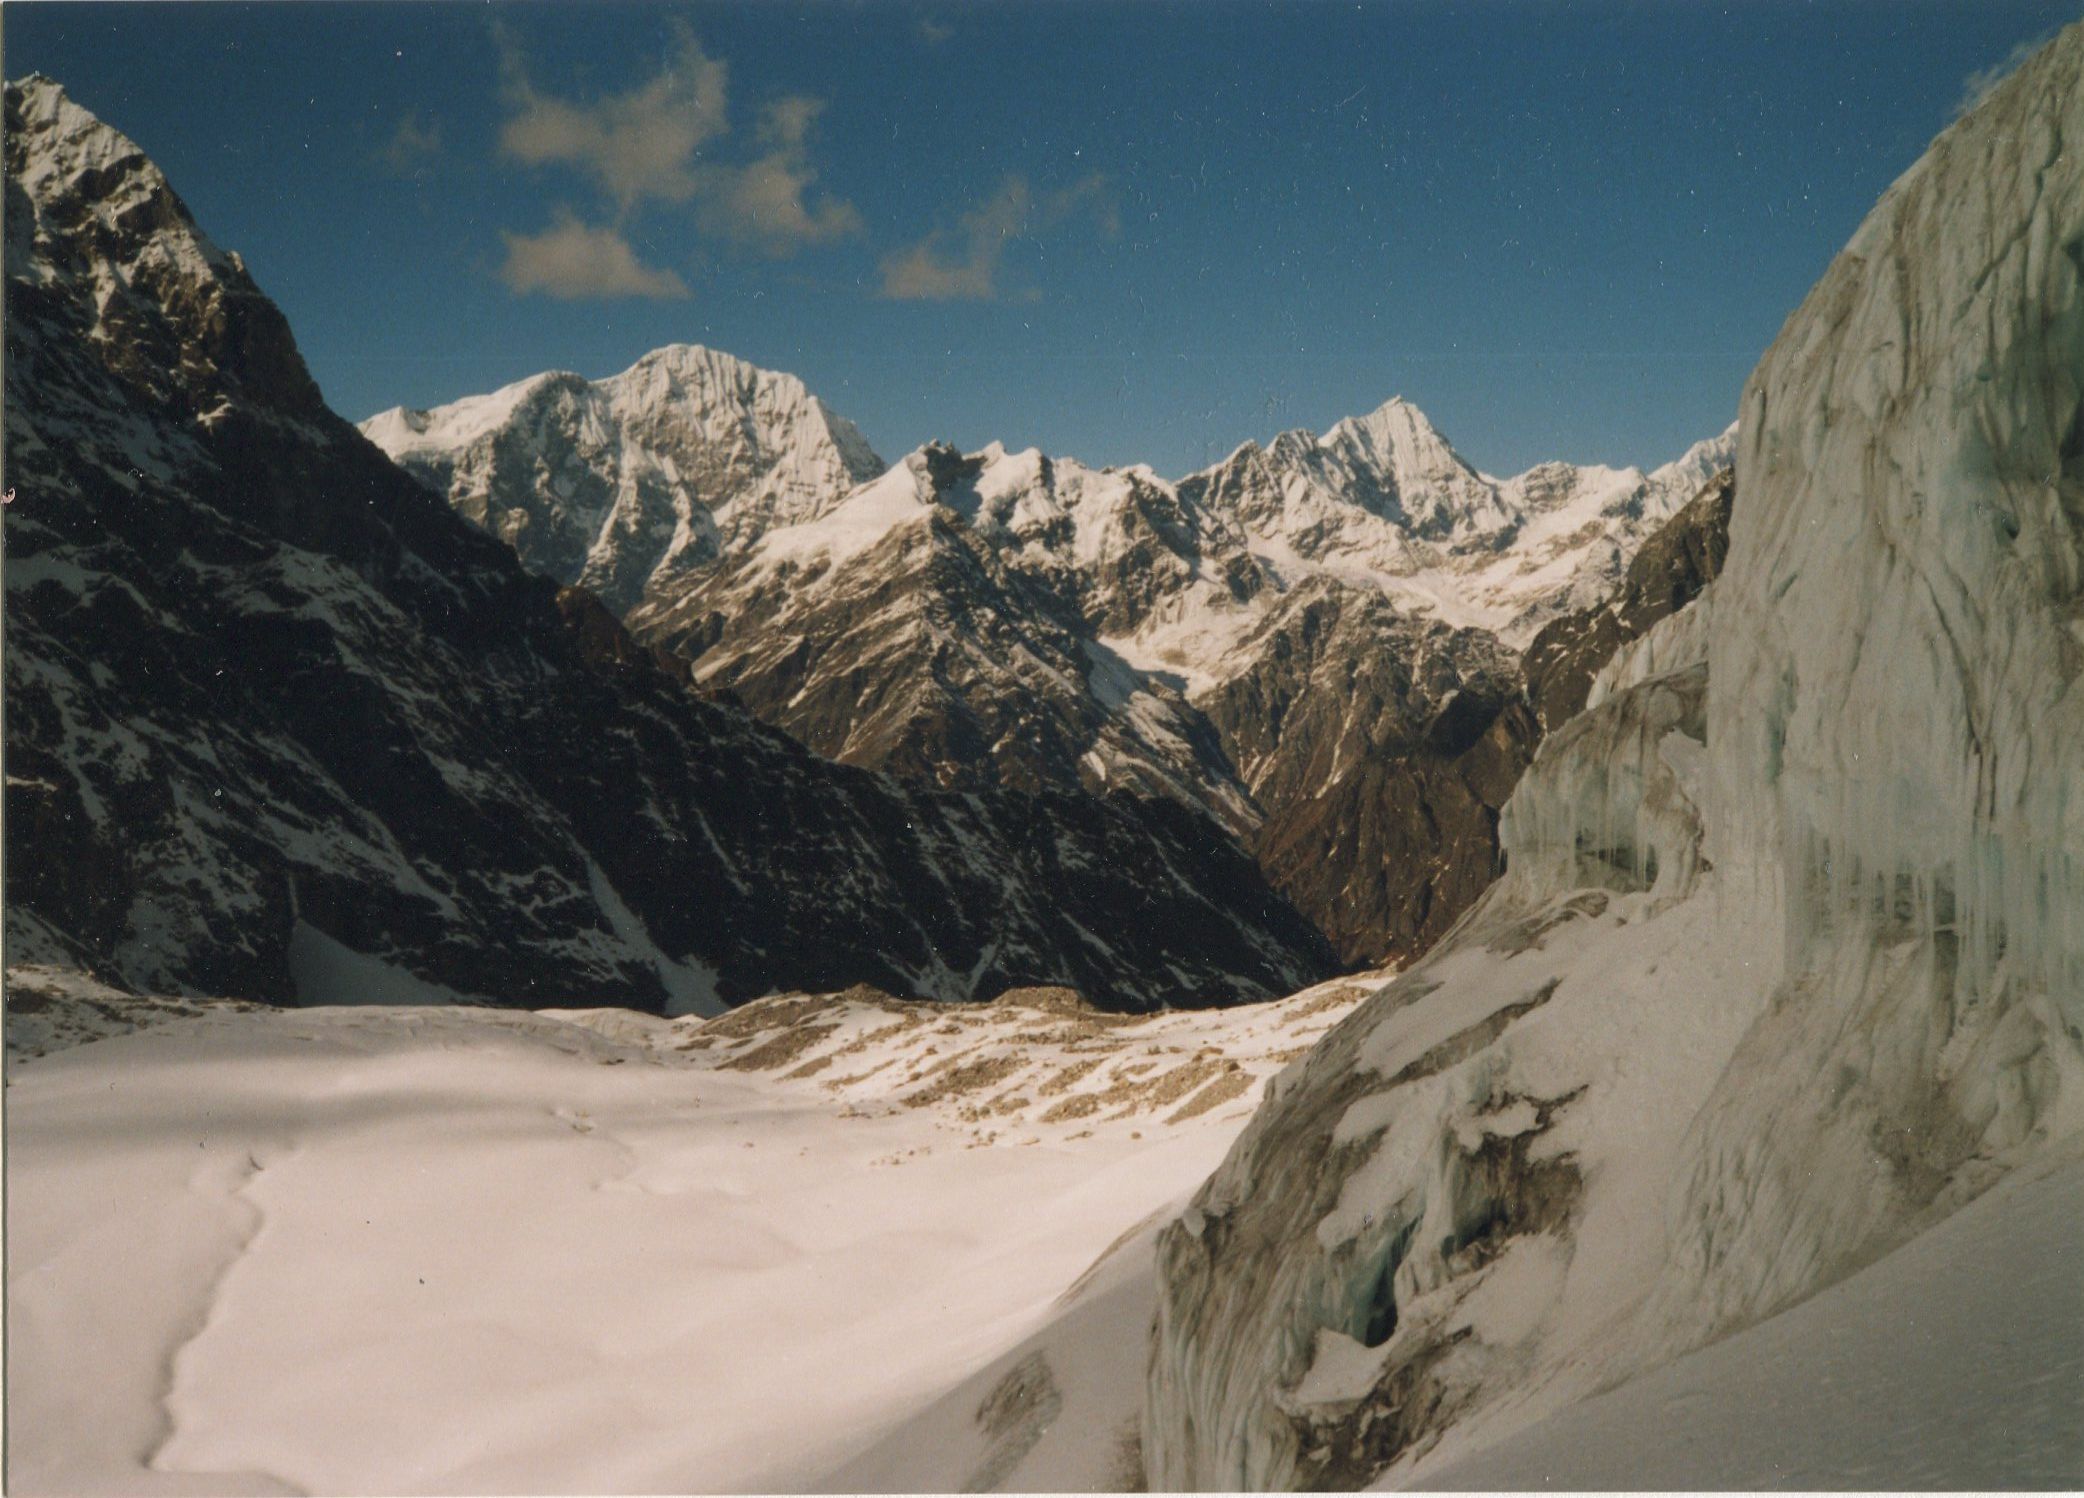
pixel 618 485
pixel 1784 969
pixel 1955 1362
pixel 1058 1413
pixel 54 1009
pixel 455 1250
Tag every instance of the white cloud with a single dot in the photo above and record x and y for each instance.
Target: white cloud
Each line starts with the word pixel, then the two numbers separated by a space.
pixel 962 264
pixel 920 274
pixel 412 143
pixel 764 203
pixel 665 140
pixel 573 261
pixel 1977 85
pixel 638 144
pixel 933 32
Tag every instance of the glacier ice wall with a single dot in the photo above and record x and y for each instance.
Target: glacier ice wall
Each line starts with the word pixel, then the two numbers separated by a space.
pixel 1788 961
pixel 1616 804
pixel 1896 715
pixel 1896 711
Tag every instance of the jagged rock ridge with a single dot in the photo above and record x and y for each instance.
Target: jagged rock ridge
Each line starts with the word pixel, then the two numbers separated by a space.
pixel 281 725
pixel 997 618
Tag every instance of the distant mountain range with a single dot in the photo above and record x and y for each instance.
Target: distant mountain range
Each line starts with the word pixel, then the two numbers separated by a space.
pixel 1314 644
pixel 280 725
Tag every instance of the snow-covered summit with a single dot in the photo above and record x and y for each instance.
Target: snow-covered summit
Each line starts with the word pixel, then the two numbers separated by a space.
pixel 406 433
pixel 1391 466
pixel 1385 501
pixel 62 143
pixel 683 395
pixel 1396 459
pixel 72 162
pixel 625 483
pixel 1698 463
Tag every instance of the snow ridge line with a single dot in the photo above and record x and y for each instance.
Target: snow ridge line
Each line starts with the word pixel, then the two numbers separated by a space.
pixel 238 1196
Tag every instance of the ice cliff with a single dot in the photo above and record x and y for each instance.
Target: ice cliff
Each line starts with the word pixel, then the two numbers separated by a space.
pixel 1788 961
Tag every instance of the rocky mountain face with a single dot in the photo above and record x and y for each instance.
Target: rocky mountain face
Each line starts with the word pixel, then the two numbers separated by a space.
pixel 1674 566
pixel 899 633
pixel 622 485
pixel 1309 644
pixel 1381 747
pixel 1785 966
pixel 281 725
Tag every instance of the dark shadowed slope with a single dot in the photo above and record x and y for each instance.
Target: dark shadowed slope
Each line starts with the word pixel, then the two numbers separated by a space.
pixel 281 725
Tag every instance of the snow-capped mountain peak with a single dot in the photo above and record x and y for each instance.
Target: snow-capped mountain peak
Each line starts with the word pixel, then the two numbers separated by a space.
pixel 405 432
pixel 73 159
pixel 66 141
pixel 1407 457
pixel 698 389
pixel 87 208
pixel 623 484
pixel 1391 464
pixel 1700 462
pixel 1394 462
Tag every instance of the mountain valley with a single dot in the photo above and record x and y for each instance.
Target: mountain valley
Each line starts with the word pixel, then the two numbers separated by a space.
pixel 283 727
pixel 602 937
pixel 1314 644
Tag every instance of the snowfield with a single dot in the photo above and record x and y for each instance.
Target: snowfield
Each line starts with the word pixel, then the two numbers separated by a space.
pixel 839 1244
pixel 460 1250
pixel 1955 1362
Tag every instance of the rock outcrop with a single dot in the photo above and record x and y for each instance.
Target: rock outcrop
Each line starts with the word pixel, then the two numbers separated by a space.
pixel 1381 748
pixel 1675 565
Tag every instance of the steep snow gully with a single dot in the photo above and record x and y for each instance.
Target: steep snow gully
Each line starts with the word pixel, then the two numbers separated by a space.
pixel 1789 960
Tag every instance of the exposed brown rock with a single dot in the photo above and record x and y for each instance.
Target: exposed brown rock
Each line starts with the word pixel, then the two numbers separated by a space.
pixel 1381 748
pixel 1681 558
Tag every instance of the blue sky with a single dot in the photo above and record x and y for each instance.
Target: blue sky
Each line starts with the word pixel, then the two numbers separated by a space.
pixel 1125 232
